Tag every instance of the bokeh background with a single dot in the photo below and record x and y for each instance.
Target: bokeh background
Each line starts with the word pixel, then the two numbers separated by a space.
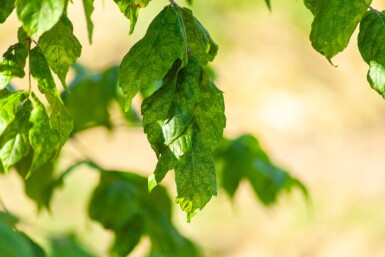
pixel 323 123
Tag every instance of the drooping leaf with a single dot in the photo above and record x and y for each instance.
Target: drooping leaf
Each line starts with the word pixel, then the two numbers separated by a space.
pixel 44 140
pixel 12 243
pixel 199 41
pixel 88 10
pixel 60 117
pixel 122 203
pixel 371 43
pixel 13 62
pixel 150 59
pixel 243 158
pixel 14 142
pixel 41 183
pixel 60 47
pixel 185 131
pixel 130 8
pixel 334 23
pixel 39 16
pixel 6 9
pixel 68 246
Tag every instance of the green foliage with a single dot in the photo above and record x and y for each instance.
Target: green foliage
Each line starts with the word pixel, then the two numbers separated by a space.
pixel 182 116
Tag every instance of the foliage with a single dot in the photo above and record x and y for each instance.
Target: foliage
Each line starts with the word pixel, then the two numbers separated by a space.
pixel 182 114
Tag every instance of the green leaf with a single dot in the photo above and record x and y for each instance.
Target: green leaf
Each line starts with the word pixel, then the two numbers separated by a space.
pixel 243 158
pixel 150 59
pixel 12 243
pixel 334 23
pixel 88 10
pixel 130 8
pixel 6 9
pixel 371 43
pixel 9 106
pixel 39 16
pixel 68 246
pixel 41 183
pixel 44 140
pixel 60 47
pixel 199 41
pixel 13 62
pixel 122 203
pixel 89 98
pixel 14 142
pixel 37 250
pixel 268 3
pixel 8 218
pixel 185 131
pixel 60 117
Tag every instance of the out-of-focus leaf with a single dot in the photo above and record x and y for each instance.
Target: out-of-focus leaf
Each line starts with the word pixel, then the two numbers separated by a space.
pixel 40 184
pixel 68 246
pixel 6 9
pixel 88 10
pixel 37 250
pixel 122 203
pixel 8 218
pixel 243 158
pixel 12 243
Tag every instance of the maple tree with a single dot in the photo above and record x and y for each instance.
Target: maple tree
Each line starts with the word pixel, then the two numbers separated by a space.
pixel 182 114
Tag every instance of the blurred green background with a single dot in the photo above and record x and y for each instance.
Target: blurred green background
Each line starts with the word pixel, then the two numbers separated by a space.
pixel 323 123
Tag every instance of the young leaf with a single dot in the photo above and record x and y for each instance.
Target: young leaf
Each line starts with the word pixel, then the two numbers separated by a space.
pixel 199 41
pixel 334 23
pixel 88 10
pixel 150 59
pixel 371 43
pixel 39 16
pixel 60 47
pixel 130 8
pixel 185 131
pixel 6 9
pixel 13 62
pixel 14 142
